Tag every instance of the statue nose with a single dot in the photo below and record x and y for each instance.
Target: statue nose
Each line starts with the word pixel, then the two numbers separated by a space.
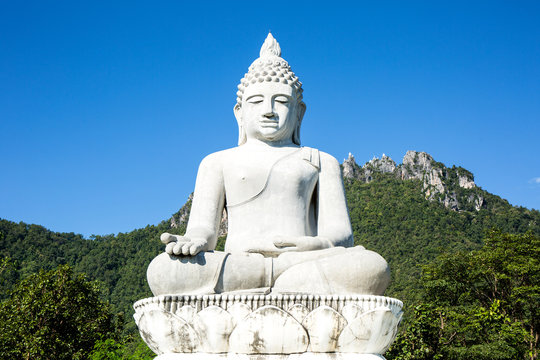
pixel 268 110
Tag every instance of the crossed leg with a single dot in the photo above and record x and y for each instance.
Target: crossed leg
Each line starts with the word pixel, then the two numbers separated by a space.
pixel 329 271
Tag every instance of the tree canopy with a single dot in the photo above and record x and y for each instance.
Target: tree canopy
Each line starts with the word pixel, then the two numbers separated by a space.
pixel 54 314
pixel 482 304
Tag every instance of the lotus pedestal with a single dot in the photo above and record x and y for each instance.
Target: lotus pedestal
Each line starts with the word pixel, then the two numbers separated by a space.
pixel 276 327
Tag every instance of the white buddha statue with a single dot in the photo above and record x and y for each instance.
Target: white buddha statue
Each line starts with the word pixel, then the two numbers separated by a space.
pixel 288 225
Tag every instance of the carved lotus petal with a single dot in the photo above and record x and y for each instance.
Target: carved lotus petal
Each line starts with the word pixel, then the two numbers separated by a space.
pixel 371 332
pixel 239 311
pixel 351 312
pixel 299 312
pixel 324 325
pixel 214 325
pixel 398 316
pixel 186 312
pixel 268 330
pixel 137 317
pixel 164 332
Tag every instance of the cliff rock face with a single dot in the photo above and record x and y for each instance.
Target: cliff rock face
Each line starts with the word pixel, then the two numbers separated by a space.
pixel 350 169
pixel 182 216
pixel 440 183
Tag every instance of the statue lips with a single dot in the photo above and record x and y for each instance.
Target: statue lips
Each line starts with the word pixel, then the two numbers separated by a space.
pixel 269 123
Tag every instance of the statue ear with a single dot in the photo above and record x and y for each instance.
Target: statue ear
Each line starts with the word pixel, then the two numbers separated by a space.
pixel 301 111
pixel 238 115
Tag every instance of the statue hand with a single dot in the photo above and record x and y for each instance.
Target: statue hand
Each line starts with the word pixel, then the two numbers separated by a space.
pixel 182 245
pixel 267 248
pixel 301 243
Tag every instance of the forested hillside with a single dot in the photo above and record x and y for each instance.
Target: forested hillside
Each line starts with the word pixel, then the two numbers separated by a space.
pixel 391 214
pixel 118 262
pixel 392 217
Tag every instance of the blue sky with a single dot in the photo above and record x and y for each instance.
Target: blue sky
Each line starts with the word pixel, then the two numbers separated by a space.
pixel 107 108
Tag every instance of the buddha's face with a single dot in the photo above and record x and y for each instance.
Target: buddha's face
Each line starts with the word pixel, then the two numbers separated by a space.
pixel 269 112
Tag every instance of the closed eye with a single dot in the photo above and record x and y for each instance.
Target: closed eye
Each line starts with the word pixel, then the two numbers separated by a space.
pixel 281 99
pixel 255 99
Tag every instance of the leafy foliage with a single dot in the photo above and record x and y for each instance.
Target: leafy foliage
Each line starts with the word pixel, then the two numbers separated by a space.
pixel 483 304
pixel 54 315
pixel 118 262
pixel 128 349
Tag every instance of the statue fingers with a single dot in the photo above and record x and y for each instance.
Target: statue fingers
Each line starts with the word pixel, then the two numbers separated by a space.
pixel 282 242
pixel 166 238
pixel 177 248
pixel 186 247
pixel 169 248
pixel 268 251
pixel 195 248
pixel 182 238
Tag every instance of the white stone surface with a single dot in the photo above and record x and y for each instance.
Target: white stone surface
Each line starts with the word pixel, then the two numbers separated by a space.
pixel 351 312
pixel 298 312
pixel 324 326
pixel 371 332
pixel 286 205
pixel 164 332
pixel 274 324
pixel 214 326
pixel 289 282
pixel 269 330
pixel 303 356
pixel 239 311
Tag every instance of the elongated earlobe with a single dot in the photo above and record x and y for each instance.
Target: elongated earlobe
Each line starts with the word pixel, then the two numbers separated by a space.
pixel 300 111
pixel 241 132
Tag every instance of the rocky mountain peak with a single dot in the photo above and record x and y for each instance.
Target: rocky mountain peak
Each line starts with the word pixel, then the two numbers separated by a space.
pixel 350 169
pixel 181 216
pixel 439 182
pixel 418 160
pixel 385 164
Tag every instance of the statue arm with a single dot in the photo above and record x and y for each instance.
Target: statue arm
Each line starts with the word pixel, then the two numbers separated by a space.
pixel 333 223
pixel 206 211
pixel 208 201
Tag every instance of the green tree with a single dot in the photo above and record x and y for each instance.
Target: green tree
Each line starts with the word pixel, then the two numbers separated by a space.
pixel 54 315
pixel 421 339
pixel 130 348
pixel 7 275
pixel 483 304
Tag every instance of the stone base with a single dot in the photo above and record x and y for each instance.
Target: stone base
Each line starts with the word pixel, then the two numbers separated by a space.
pixel 283 326
pixel 303 356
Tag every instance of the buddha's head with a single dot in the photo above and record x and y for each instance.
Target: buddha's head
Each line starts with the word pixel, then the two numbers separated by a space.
pixel 269 103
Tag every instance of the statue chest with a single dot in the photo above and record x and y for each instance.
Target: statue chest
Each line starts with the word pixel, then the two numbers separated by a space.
pixel 285 176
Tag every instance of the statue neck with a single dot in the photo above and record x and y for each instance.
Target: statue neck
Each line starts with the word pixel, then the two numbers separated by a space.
pixel 251 142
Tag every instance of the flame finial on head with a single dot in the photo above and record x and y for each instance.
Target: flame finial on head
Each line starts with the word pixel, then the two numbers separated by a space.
pixel 269 67
pixel 270 47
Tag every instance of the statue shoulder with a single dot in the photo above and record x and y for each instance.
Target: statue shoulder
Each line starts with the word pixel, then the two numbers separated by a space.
pixel 216 160
pixel 326 160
